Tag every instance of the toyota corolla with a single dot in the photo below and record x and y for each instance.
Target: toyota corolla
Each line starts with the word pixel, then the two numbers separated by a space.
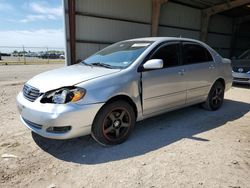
pixel 105 94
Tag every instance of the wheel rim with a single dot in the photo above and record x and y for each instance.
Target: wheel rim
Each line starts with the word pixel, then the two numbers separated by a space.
pixel 217 97
pixel 116 124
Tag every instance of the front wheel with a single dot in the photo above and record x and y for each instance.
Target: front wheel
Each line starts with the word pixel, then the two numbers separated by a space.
pixel 113 123
pixel 215 97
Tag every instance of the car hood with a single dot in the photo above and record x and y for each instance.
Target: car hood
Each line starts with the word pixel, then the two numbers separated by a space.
pixel 68 76
pixel 241 63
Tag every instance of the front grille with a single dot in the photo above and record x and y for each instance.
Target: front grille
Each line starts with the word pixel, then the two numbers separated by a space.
pixel 241 79
pixel 33 125
pixel 245 69
pixel 30 93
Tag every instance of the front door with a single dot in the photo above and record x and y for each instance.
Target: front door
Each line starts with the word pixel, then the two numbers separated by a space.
pixel 165 88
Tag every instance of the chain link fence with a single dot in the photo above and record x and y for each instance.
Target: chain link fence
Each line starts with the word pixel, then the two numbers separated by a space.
pixel 31 55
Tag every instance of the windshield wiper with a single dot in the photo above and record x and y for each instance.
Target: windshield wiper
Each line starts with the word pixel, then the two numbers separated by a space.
pixel 83 62
pixel 102 65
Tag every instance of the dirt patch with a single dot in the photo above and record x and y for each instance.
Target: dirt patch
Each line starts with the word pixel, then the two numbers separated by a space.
pixel 185 148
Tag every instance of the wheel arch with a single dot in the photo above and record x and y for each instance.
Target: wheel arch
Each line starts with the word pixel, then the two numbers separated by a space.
pixel 124 98
pixel 222 81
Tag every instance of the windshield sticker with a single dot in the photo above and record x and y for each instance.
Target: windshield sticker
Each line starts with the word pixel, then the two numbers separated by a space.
pixel 140 45
pixel 125 62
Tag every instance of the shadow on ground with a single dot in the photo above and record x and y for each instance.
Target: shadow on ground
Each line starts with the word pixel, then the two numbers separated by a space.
pixel 148 135
pixel 244 86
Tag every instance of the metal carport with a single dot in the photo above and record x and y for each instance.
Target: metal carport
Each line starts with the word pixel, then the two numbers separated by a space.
pixel 91 25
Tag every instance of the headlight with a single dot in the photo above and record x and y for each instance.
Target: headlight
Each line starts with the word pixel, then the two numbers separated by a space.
pixel 64 95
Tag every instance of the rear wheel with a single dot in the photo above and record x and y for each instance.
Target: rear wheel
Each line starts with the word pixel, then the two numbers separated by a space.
pixel 215 97
pixel 113 123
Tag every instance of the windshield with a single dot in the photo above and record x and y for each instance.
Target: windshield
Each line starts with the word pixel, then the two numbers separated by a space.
pixel 245 55
pixel 119 55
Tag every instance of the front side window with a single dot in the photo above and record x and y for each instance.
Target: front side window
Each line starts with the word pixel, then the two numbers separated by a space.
pixel 169 54
pixel 119 55
pixel 194 53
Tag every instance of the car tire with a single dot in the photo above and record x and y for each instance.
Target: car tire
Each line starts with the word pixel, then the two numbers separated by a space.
pixel 113 123
pixel 215 97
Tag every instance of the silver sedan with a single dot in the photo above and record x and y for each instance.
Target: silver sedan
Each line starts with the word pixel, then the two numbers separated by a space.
pixel 105 94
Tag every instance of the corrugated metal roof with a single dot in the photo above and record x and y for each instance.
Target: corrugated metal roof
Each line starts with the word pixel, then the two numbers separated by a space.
pixel 238 12
pixel 203 4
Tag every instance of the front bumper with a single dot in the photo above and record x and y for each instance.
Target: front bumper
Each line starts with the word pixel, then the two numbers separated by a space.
pixel 242 78
pixel 50 120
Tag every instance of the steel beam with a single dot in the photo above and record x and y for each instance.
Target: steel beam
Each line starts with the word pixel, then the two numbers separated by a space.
pixel 204 26
pixel 243 19
pixel 236 28
pixel 72 30
pixel 225 6
pixel 208 12
pixel 156 10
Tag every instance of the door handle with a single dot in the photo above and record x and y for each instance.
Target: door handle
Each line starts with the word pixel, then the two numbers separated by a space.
pixel 211 67
pixel 181 72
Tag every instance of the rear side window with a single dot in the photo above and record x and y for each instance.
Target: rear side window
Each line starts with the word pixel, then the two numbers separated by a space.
pixel 169 54
pixel 194 53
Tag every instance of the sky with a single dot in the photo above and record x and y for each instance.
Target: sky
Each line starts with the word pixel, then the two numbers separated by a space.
pixel 32 23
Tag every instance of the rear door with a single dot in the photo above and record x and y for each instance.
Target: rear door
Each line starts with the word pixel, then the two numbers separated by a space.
pixel 164 88
pixel 200 71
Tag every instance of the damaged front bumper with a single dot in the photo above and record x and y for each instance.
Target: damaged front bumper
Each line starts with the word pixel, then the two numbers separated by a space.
pixel 57 121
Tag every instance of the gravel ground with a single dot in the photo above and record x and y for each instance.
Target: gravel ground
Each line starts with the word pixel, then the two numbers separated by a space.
pixel 190 147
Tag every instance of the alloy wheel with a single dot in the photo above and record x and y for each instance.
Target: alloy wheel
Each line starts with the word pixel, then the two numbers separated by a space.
pixel 217 96
pixel 116 124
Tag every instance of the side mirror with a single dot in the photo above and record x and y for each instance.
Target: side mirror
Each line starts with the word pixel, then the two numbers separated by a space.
pixel 153 64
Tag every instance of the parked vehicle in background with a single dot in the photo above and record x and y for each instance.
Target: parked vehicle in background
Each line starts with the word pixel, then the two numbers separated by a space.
pixel 129 81
pixel 241 68
pixel 62 56
pixel 31 54
pixel 50 56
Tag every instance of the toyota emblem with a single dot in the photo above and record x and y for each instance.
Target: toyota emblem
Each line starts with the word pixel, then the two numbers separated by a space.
pixel 240 69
